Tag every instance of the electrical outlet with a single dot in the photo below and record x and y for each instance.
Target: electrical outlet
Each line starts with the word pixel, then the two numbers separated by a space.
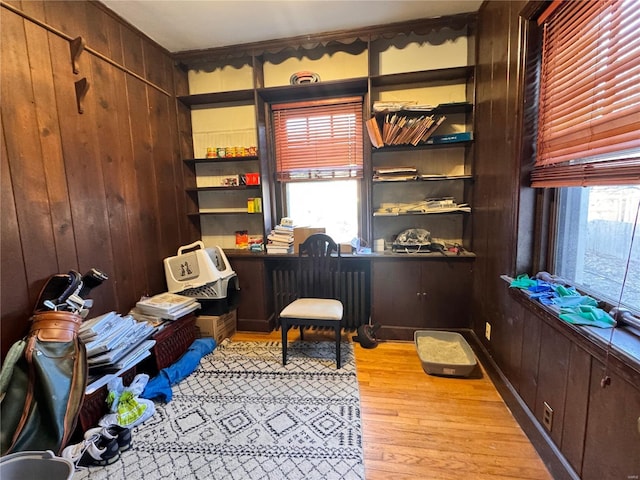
pixel 487 330
pixel 547 416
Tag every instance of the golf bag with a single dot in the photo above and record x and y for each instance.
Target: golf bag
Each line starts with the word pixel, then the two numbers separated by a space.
pixel 44 375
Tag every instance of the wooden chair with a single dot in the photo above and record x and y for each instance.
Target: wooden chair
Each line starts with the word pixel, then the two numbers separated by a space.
pixel 316 279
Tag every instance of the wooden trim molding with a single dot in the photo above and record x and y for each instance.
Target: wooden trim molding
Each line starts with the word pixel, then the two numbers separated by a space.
pixel 305 43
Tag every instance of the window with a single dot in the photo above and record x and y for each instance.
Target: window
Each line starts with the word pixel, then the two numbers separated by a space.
pixel 589 144
pixel 332 204
pixel 596 247
pixel 319 159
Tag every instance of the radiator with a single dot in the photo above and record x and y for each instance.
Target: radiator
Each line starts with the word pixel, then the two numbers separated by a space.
pixel 349 287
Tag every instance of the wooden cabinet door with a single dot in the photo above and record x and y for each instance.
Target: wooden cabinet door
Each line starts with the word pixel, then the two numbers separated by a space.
pixel 445 288
pixel 255 309
pixel 612 441
pixel 396 301
pixel 414 294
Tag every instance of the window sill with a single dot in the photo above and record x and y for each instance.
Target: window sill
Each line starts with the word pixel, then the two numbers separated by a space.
pixel 620 344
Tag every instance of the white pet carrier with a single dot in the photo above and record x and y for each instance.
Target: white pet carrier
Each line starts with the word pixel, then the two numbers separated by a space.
pixel 203 273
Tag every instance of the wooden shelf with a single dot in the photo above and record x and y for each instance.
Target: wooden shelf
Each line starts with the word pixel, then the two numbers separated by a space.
pixel 334 88
pixel 430 179
pixel 234 96
pixel 200 214
pixel 443 75
pixel 219 189
pixel 194 161
pixel 409 214
pixel 400 148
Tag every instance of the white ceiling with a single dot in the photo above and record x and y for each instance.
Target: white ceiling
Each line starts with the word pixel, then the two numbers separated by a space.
pixel 180 25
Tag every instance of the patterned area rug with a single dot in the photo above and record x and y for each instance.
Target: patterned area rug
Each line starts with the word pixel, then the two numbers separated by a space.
pixel 242 415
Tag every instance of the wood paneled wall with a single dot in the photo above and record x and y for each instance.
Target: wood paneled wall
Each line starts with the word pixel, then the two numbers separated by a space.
pixel 103 188
pixel 497 166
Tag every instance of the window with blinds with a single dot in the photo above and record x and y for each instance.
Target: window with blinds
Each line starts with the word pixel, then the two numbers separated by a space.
pixel 589 111
pixel 319 139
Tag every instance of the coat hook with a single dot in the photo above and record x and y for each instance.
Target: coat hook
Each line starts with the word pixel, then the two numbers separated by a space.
pixel 82 87
pixel 77 47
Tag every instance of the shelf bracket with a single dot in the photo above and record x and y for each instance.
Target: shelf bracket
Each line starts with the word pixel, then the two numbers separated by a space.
pixel 82 87
pixel 77 47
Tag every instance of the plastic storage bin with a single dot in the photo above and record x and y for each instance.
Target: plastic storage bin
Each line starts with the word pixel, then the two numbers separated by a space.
pixel 36 464
pixel 444 353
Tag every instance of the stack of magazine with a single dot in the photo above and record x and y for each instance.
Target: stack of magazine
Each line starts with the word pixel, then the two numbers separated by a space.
pixel 114 343
pixel 169 306
pixel 394 174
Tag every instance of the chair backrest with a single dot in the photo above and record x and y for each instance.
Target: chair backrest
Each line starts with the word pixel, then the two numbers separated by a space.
pixel 318 267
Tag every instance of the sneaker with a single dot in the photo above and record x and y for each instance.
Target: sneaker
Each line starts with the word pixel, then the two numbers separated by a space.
pixel 121 434
pixel 95 451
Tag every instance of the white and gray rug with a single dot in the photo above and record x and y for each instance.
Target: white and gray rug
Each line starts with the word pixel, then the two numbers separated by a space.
pixel 242 415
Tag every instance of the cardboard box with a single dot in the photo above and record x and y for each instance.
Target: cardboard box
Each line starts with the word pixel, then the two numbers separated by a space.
pixel 346 248
pixel 300 234
pixel 217 327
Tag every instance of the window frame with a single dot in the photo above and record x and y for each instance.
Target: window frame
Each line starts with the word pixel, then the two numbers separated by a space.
pixel 363 182
pixel 536 236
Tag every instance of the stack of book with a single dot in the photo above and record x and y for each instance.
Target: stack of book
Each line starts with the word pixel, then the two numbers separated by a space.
pixel 169 306
pixel 115 343
pixel 394 174
pixel 280 240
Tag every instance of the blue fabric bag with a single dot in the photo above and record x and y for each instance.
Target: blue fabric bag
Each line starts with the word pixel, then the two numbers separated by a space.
pixel 159 387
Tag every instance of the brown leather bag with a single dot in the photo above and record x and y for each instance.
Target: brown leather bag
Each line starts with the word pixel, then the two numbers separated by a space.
pixel 44 395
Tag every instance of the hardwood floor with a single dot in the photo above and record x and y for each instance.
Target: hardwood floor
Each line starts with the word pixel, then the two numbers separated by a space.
pixel 418 426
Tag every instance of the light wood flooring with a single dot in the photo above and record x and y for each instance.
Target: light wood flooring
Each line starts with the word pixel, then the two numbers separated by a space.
pixel 422 427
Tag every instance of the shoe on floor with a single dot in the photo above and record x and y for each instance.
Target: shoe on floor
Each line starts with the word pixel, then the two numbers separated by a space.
pixel 95 451
pixel 121 434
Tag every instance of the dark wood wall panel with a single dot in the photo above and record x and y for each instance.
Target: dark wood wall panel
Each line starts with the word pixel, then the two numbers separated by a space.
pixel 13 294
pixel 51 145
pixel 102 188
pixel 496 167
pixel 24 154
pixel 575 410
pixel 553 368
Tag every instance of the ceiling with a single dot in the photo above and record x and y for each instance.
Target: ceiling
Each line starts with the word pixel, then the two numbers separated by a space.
pixel 181 25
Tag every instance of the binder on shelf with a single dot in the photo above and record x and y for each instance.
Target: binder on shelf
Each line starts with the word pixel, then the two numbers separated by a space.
pixel 450 138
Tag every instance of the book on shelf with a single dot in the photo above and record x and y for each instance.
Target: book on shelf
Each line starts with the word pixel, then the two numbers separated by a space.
pixel 280 236
pixel 373 129
pixel 279 249
pixel 450 138
pixel 284 229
